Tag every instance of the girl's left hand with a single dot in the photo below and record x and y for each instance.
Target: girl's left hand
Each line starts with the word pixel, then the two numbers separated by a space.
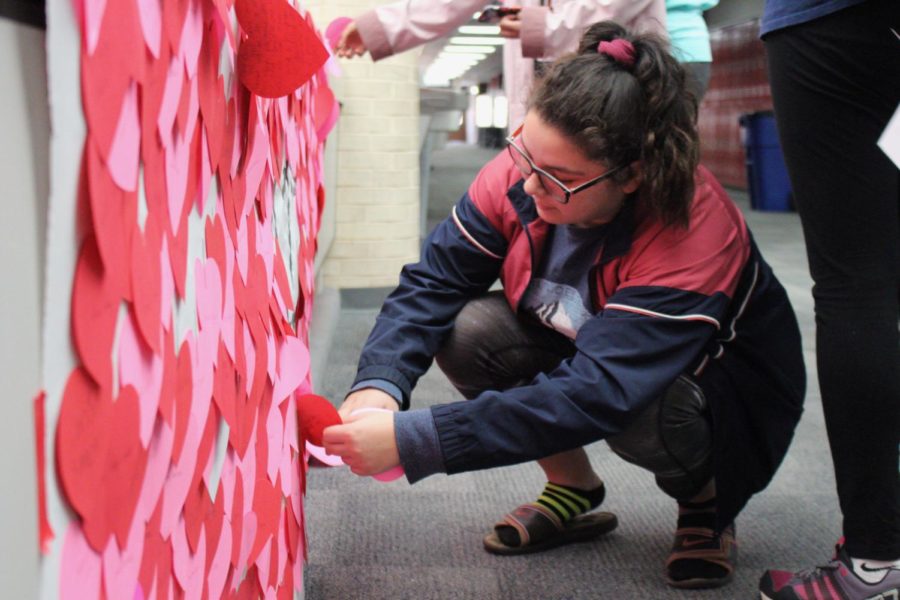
pixel 365 442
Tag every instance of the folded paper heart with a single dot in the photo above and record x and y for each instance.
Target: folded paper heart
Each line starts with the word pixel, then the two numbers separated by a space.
pixel 317 413
pixel 281 51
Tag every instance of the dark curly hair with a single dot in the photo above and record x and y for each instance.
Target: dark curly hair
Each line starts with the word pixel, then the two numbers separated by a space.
pixel 619 114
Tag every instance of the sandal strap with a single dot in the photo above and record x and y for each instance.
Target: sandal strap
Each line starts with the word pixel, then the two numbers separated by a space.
pixel 702 543
pixel 533 522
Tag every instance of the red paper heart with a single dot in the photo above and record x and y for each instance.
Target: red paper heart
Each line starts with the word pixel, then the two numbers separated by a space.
pixel 126 462
pixel 113 214
pixel 100 458
pixel 146 282
pixel 45 530
pixel 170 380
pixel 183 391
pixel 107 73
pixel 315 413
pixel 178 256
pixel 210 86
pixel 225 386
pixel 281 51
pixel 267 506
pixel 237 519
pixel 95 308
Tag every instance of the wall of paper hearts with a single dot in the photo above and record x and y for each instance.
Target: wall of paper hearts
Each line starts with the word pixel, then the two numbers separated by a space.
pixel 174 443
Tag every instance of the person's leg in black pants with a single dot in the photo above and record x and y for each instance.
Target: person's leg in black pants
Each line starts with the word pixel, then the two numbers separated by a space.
pixel 835 84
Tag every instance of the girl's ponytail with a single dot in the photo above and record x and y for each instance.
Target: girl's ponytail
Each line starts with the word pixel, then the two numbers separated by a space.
pixel 622 98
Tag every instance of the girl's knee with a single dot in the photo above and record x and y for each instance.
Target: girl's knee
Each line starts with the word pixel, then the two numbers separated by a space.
pixel 672 438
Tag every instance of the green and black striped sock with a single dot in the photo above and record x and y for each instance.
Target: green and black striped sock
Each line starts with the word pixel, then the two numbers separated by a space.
pixel 568 502
pixel 564 501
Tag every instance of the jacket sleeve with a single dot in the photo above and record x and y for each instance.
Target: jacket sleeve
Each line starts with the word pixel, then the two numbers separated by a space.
pixel 460 260
pixel 551 33
pixel 399 26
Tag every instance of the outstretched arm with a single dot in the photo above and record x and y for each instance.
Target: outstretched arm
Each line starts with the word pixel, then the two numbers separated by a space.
pixel 549 33
pixel 400 26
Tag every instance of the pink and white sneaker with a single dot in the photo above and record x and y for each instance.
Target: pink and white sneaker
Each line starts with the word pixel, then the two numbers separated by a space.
pixel 834 581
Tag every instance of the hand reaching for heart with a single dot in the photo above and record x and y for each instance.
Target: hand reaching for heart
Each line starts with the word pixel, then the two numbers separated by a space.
pixel 317 413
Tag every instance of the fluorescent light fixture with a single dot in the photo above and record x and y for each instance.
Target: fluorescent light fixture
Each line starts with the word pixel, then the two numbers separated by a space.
pixel 479 30
pixel 476 41
pixel 449 49
pixel 460 56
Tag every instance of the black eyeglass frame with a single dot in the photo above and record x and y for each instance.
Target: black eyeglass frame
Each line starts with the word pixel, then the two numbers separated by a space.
pixel 511 145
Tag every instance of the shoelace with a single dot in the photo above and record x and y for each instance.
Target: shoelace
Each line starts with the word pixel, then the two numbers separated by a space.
pixel 813 572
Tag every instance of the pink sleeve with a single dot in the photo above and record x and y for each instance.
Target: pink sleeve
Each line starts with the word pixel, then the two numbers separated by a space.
pixel 399 26
pixel 551 33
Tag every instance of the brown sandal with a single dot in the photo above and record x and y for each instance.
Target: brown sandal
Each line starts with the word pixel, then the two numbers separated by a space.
pixel 539 529
pixel 709 559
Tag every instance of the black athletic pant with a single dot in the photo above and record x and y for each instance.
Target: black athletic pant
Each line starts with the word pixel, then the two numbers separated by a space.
pixel 835 84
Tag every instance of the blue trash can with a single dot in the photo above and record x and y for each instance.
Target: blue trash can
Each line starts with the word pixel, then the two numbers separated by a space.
pixel 770 188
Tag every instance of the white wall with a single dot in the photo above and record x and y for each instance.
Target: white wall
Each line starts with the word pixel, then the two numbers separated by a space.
pixel 24 150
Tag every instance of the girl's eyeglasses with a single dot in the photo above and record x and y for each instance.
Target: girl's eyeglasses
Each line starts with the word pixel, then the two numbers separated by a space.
pixel 553 186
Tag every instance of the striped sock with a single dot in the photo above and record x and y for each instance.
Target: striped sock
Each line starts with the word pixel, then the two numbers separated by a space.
pixel 564 501
pixel 568 502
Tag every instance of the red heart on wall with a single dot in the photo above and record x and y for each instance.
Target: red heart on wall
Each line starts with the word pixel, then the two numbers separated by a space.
pixel 95 306
pixel 99 456
pixel 281 51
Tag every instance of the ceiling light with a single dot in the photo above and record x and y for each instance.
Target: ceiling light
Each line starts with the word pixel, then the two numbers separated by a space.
pixel 483 49
pixel 480 29
pixel 476 41
pixel 460 55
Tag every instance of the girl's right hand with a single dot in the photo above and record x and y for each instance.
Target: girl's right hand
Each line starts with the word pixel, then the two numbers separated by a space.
pixel 350 43
pixel 367 398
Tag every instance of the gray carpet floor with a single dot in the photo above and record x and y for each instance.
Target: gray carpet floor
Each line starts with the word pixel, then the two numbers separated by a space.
pixel 372 540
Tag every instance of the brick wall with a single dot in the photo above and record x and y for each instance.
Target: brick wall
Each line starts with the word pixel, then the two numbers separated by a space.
pixel 739 84
pixel 376 192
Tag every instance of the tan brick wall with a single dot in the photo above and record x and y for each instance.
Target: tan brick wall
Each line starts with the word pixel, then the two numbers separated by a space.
pixel 376 195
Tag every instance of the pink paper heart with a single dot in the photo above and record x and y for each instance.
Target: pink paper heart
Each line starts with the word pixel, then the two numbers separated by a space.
pixel 293 367
pixel 80 573
pixel 335 29
pixel 124 153
pixel 218 569
pixel 150 12
pixel 188 567
pixel 141 368
pixel 121 567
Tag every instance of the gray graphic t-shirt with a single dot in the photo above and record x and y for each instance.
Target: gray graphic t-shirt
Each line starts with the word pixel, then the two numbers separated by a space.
pixel 559 295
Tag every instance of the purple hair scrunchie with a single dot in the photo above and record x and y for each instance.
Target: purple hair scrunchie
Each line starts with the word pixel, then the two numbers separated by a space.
pixel 620 50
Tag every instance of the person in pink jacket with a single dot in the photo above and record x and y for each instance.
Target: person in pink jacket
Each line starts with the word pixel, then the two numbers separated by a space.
pixel 536 32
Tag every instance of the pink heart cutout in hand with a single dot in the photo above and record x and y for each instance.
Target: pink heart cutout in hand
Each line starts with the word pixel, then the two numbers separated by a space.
pixel 335 29
pixel 335 461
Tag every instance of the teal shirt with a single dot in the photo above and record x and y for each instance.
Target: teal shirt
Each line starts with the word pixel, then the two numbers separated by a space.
pixel 687 29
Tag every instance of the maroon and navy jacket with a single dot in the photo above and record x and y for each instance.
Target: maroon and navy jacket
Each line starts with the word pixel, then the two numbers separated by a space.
pixel 698 301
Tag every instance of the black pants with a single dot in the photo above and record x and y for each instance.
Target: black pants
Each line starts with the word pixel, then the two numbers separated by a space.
pixel 835 84
pixel 491 349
